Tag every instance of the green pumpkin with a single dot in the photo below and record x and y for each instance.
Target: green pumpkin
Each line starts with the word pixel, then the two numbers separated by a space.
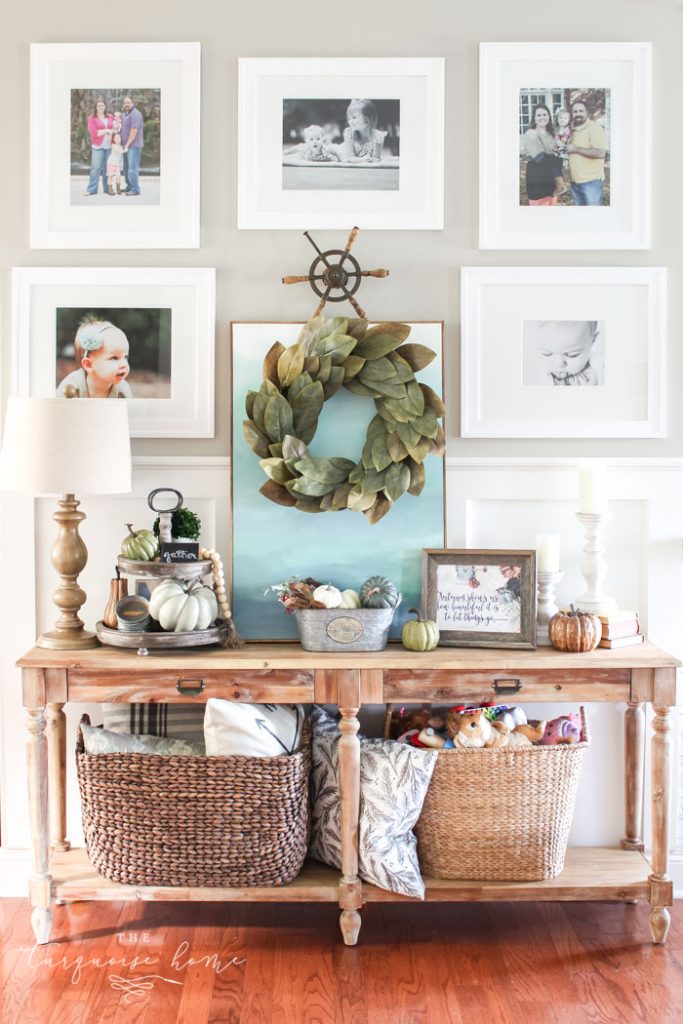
pixel 139 545
pixel 379 592
pixel 420 634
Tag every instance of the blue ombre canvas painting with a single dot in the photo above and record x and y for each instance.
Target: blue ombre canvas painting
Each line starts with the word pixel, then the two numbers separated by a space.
pixel 272 543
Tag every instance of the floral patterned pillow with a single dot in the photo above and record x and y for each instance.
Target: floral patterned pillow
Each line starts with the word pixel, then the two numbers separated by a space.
pixel 393 783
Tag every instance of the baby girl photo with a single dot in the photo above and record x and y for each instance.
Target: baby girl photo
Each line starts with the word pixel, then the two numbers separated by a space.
pixel 113 353
pixel 564 147
pixel 564 353
pixel 340 144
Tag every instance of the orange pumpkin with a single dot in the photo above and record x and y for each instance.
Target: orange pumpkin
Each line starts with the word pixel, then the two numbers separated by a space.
pixel 575 631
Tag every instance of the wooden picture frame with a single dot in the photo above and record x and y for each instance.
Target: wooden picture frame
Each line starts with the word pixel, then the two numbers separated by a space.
pixel 455 589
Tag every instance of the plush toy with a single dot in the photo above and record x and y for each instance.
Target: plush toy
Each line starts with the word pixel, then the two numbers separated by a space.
pixel 565 729
pixel 403 721
pixel 475 729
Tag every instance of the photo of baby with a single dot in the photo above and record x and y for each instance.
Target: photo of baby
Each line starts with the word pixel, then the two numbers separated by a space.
pixel 113 353
pixel 564 353
pixel 340 144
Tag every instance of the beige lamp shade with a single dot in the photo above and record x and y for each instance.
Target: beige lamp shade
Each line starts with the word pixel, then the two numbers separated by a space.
pixel 66 446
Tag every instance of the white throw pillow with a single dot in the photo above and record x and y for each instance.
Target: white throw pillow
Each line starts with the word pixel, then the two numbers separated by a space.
pixel 101 741
pixel 252 730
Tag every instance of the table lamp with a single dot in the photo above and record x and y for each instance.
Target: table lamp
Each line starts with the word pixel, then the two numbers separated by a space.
pixel 62 446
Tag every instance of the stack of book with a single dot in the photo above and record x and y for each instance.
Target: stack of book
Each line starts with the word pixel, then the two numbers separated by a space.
pixel 620 629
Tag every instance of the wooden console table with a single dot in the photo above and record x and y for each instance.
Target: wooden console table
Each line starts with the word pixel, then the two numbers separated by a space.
pixel 286 674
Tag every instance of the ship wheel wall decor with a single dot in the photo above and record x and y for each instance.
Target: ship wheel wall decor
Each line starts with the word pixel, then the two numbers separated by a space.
pixel 335 271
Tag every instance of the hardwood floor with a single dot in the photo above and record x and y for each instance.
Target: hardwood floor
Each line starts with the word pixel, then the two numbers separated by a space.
pixel 495 963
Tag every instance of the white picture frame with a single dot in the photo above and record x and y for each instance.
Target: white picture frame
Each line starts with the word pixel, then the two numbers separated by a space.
pixel 512 73
pixel 399 188
pixel 45 300
pixel 514 320
pixel 166 213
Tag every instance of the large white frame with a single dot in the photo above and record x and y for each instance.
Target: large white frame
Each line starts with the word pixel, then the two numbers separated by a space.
pixel 56 68
pixel 264 83
pixel 495 301
pixel 624 68
pixel 189 293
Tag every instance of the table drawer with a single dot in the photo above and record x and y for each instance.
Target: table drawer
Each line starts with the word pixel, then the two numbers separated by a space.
pixel 262 686
pixel 445 686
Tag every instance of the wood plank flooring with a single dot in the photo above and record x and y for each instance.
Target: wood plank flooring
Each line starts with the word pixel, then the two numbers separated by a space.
pixel 491 963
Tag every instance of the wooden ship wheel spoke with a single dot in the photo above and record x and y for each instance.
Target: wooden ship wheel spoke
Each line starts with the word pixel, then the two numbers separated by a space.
pixel 335 271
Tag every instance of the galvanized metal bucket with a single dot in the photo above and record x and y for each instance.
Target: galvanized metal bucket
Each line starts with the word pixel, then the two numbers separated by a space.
pixel 344 629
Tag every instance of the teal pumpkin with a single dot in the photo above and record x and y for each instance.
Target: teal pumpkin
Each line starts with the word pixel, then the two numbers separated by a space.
pixel 420 634
pixel 379 592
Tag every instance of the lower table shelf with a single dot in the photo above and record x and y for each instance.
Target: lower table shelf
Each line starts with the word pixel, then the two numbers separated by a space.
pixel 590 873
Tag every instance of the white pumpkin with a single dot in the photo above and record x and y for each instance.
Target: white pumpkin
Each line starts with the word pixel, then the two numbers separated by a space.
pixel 327 595
pixel 183 609
pixel 350 599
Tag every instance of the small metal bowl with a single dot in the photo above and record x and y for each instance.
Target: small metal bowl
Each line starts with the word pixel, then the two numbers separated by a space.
pixel 132 614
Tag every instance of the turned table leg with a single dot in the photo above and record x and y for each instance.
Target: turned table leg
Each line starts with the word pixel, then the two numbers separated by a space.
pixel 634 737
pixel 661 887
pixel 350 891
pixel 56 756
pixel 41 918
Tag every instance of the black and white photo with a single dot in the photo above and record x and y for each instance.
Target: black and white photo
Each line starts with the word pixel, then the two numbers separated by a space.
pixel 564 353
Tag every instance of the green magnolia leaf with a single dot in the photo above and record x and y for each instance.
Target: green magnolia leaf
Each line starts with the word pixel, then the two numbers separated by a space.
pixel 309 505
pixel 366 454
pixel 327 503
pixel 376 426
pixel 417 477
pixel 268 388
pixel 379 369
pixel 310 329
pixel 418 356
pixel 415 398
pixel 334 382
pixel 358 501
pixel 396 481
pixel 408 435
pixel 433 401
pixel 276 469
pixel 380 453
pixel 323 373
pixel 357 329
pixel 396 448
pixel 374 346
pixel 403 370
pixel 309 487
pixel 306 406
pixel 259 409
pixel 420 451
pixel 337 346
pixel 277 493
pixel 377 511
pixel 270 363
pixel 356 474
pixel 340 497
pixel 438 445
pixel 346 464
pixel 293 448
pixel 372 481
pixel 385 388
pixel 356 388
pixel 278 419
pixel 427 423
pixel 399 410
pixel 275 450
pixel 249 403
pixel 255 438
pixel 352 367
pixel 398 330
pixel 301 382
pixel 312 365
pixel 324 471
pixel 382 410
pixel 290 364
pixel 335 325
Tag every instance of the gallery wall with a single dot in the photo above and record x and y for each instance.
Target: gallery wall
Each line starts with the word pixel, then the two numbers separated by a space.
pixel 500 492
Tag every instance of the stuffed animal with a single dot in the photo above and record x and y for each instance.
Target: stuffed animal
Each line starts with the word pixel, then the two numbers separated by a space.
pixel 474 729
pixel 403 721
pixel 565 729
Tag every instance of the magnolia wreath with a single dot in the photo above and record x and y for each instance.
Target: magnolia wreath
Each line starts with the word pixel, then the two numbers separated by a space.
pixel 374 362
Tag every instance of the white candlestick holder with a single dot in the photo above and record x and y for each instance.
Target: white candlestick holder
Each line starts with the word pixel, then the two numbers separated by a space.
pixel 545 605
pixel 594 565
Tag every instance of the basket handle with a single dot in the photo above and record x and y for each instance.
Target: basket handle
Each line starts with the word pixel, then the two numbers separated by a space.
pixel 80 743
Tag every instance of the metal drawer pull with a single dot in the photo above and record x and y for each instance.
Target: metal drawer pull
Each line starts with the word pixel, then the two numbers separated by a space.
pixel 193 690
pixel 507 685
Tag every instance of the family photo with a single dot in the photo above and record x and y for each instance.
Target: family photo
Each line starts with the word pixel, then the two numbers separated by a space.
pixel 564 147
pixel 340 144
pixel 113 353
pixel 565 353
pixel 115 146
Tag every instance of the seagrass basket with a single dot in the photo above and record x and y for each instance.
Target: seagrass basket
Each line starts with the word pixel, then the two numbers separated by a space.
pixel 196 821
pixel 500 815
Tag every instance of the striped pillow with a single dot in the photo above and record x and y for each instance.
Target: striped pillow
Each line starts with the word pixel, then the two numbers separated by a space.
pixel 180 721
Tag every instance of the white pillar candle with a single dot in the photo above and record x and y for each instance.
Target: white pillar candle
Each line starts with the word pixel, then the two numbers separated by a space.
pixel 548 552
pixel 592 488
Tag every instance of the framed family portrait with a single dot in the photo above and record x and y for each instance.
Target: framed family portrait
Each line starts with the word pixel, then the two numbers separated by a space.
pixel 563 351
pixel 115 132
pixel 564 136
pixel 480 598
pixel 144 335
pixel 327 143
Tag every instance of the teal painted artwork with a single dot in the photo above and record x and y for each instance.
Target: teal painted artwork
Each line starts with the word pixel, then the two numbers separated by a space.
pixel 272 543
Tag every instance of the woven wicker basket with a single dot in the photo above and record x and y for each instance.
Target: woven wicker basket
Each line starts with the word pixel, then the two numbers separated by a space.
pixel 195 821
pixel 500 815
